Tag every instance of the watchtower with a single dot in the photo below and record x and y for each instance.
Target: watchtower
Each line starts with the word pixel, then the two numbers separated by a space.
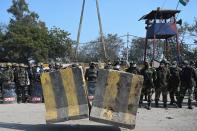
pixel 161 24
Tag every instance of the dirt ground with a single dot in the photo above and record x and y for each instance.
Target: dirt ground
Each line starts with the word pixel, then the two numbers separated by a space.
pixel 30 117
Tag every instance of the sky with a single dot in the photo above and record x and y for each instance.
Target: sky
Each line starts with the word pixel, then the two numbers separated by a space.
pixel 118 16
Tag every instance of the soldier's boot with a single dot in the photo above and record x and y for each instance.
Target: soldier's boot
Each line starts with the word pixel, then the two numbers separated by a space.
pixel 179 102
pixel 156 103
pixel 19 100
pixel 172 101
pixel 148 106
pixel 141 101
pixel 140 104
pixel 165 105
pixel 190 104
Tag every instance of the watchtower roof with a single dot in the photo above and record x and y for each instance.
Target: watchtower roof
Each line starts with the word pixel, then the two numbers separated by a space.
pixel 160 14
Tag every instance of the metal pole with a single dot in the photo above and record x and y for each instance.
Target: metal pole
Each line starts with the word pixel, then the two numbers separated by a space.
pixel 154 41
pixel 79 29
pixel 177 5
pixel 127 47
pixel 166 49
pixel 145 49
pixel 101 30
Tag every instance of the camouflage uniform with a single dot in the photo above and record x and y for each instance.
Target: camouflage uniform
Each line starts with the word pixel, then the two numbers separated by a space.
pixel 1 79
pixel 22 80
pixel 91 76
pixel 174 82
pixel 7 79
pixel 188 77
pixel 133 69
pixel 148 85
pixel 163 75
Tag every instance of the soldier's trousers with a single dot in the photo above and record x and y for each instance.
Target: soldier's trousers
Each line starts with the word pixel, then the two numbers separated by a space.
pixel 22 93
pixel 182 93
pixel 161 90
pixel 195 93
pixel 146 90
pixel 91 88
pixel 173 91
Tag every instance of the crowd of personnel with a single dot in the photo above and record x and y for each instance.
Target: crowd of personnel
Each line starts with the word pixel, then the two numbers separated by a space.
pixel 23 80
pixel 173 79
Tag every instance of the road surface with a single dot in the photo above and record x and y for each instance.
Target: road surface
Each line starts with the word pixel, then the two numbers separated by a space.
pixel 30 117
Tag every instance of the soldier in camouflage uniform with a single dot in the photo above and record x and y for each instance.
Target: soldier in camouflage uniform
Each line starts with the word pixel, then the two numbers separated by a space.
pixel 148 85
pixel 163 75
pixel 7 77
pixel 174 82
pixel 91 78
pixel 51 67
pixel 108 65
pixel 192 64
pixel 133 68
pixel 22 81
pixel 188 77
pixel 1 78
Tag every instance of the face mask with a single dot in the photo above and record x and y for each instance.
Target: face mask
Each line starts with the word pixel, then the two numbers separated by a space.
pixel 174 66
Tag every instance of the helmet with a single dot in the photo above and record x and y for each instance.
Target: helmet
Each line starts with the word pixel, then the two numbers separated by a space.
pixel 22 65
pixel 174 63
pixel 8 64
pixel 92 64
pixel 132 62
pixel 167 63
pixel 185 62
pixel 163 62
pixel 3 65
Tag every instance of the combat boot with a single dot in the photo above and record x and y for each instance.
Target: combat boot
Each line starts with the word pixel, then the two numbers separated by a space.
pixel 148 106
pixel 165 105
pixel 179 103
pixel 140 104
pixel 190 104
pixel 156 103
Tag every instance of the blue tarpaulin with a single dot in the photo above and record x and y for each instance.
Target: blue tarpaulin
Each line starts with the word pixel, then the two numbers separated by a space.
pixel 161 30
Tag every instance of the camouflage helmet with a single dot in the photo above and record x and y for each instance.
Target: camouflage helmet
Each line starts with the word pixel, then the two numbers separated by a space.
pixel 3 65
pixel 8 64
pixel 22 65
pixel 185 62
pixel 174 63
pixel 167 62
pixel 92 64
pixel 163 62
pixel 15 64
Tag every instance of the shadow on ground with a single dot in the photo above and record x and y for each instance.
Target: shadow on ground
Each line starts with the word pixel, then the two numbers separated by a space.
pixel 57 127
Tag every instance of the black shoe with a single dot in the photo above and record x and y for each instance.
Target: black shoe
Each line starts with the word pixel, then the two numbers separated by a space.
pixel 180 106
pixel 175 105
pixel 19 102
pixel 190 107
pixel 165 106
pixel 156 104
pixel 171 103
pixel 148 107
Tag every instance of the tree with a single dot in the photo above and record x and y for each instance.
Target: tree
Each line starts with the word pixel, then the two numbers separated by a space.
pixel 28 38
pixel 93 51
pixel 60 45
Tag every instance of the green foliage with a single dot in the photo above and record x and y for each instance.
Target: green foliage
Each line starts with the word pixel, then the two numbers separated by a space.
pixel 28 38
pixel 59 44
